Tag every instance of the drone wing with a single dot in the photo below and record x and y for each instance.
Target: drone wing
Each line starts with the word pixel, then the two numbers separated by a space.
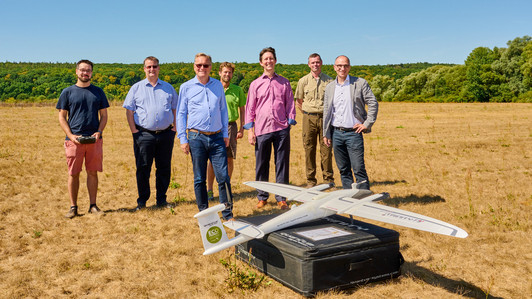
pixel 289 191
pixel 400 217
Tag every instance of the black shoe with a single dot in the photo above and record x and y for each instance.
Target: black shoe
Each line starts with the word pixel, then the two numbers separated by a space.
pixel 138 208
pixel 73 212
pixel 164 205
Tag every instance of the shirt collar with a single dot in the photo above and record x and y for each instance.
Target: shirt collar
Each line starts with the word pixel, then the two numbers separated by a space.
pixel 346 82
pixel 265 76
pixel 148 82
pixel 196 81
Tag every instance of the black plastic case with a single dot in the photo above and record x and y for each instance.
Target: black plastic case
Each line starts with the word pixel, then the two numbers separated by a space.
pixel 329 253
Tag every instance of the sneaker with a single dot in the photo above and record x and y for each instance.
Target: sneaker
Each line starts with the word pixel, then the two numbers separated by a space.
pixel 73 212
pixel 210 195
pixel 95 210
pixel 261 204
pixel 283 205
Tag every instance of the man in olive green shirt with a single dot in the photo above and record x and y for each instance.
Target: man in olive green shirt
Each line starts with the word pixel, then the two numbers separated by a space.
pixel 309 97
pixel 236 101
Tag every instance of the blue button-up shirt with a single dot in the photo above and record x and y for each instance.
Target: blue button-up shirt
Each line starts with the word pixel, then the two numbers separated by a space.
pixel 153 105
pixel 201 107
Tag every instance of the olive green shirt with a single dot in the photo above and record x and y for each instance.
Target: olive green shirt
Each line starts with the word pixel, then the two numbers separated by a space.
pixel 311 91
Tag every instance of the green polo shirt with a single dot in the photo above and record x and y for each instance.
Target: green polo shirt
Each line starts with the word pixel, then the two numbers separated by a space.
pixel 235 98
pixel 311 91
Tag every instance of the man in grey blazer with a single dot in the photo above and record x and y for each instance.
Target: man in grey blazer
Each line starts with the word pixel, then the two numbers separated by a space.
pixel 345 120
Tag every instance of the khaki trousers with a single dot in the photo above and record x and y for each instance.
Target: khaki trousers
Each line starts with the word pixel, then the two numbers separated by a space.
pixel 312 130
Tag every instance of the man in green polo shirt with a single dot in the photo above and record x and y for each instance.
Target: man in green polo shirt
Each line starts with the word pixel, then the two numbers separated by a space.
pixel 236 100
pixel 309 99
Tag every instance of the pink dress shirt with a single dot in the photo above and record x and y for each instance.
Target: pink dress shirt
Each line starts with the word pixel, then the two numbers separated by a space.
pixel 270 105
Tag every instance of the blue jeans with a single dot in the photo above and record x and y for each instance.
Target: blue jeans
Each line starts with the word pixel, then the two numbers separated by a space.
pixel 349 155
pixel 210 147
pixel 280 141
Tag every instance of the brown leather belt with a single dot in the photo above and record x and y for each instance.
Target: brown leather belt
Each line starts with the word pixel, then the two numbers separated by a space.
pixel 204 133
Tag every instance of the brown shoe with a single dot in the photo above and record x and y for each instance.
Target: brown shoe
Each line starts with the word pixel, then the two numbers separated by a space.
pixel 73 212
pixel 261 204
pixel 283 205
pixel 95 210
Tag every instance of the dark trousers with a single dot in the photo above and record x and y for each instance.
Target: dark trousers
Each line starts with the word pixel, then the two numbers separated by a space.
pixel 148 147
pixel 280 141
pixel 349 155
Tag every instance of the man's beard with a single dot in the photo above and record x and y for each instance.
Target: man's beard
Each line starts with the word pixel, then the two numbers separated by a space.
pixel 84 79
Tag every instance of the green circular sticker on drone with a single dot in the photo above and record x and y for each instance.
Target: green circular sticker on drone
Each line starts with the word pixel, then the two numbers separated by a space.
pixel 214 234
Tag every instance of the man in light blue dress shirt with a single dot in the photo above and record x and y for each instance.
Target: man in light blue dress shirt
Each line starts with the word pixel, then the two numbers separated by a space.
pixel 151 106
pixel 202 110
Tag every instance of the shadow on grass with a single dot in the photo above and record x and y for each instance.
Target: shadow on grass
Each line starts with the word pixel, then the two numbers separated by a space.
pixel 453 286
pixel 412 198
pixel 150 208
pixel 377 183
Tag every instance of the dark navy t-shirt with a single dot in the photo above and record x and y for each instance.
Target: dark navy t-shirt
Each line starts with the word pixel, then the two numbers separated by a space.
pixel 83 105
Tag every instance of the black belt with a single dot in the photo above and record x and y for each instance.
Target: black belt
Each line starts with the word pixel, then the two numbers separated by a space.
pixel 153 132
pixel 344 129
pixel 313 113
pixel 204 133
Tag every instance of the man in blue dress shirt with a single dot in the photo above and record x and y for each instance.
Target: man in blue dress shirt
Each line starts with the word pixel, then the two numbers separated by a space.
pixel 202 110
pixel 151 106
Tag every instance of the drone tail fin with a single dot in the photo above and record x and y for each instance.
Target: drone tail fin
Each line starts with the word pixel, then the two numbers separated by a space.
pixel 212 231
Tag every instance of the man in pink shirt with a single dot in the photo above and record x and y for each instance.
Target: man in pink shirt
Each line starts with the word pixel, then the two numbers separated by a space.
pixel 270 111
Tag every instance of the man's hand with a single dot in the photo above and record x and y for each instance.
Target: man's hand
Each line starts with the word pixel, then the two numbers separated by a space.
pixel 327 141
pixel 299 104
pixel 359 128
pixel 185 148
pixel 226 140
pixel 251 137
pixel 240 133
pixel 74 138
pixel 97 135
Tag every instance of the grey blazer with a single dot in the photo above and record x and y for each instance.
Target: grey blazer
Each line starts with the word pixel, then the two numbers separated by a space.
pixel 361 94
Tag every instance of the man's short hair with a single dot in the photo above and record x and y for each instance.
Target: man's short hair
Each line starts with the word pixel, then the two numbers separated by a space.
pixel 348 61
pixel 84 61
pixel 314 55
pixel 151 58
pixel 269 49
pixel 203 55
pixel 227 65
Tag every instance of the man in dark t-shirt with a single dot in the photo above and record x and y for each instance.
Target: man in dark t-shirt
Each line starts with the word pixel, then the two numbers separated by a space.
pixel 83 116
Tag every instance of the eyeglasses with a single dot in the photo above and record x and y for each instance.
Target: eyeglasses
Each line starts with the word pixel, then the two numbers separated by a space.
pixel 202 65
pixel 341 65
pixel 152 66
pixel 85 70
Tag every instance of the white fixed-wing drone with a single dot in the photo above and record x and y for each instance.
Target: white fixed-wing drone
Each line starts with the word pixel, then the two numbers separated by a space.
pixel 316 204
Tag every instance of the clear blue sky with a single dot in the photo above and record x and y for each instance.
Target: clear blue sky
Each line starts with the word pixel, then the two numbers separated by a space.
pixel 368 32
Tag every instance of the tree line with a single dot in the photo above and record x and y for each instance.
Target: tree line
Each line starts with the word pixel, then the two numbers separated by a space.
pixel 488 75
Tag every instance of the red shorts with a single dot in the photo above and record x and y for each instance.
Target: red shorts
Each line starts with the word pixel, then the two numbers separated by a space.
pixel 92 153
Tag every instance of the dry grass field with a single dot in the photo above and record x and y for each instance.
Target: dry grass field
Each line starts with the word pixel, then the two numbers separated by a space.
pixel 467 164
